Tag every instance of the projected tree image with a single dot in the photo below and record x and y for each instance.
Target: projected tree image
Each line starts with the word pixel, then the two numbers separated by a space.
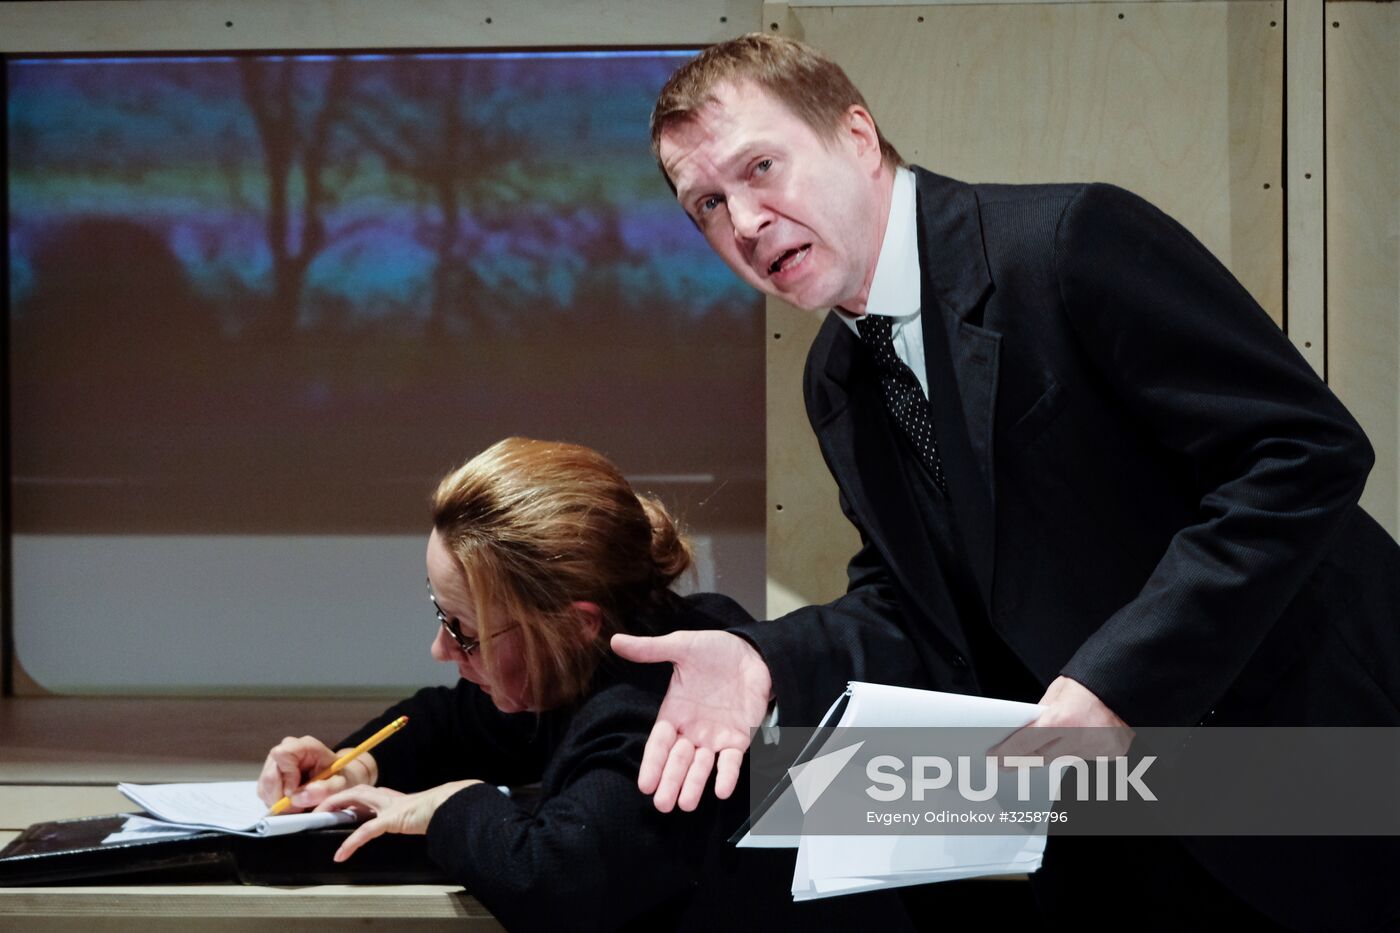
pixel 281 293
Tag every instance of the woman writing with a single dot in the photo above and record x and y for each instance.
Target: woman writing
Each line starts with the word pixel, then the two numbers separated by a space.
pixel 539 553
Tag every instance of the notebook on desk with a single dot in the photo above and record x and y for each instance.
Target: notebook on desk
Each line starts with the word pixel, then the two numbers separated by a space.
pixel 73 852
pixel 218 806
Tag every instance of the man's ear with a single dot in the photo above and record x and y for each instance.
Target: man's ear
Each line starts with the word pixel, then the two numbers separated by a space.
pixel 590 617
pixel 860 127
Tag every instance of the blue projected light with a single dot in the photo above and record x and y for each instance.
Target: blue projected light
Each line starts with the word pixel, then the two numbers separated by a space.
pixel 365 57
pixel 215 139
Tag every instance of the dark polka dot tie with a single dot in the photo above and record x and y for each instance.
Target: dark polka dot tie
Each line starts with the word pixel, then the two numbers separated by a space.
pixel 903 394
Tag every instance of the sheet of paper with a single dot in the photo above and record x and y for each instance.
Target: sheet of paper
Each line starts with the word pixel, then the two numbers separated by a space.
pixel 219 804
pixel 834 865
pixel 845 864
pixel 879 705
pixel 886 706
pixel 225 806
pixel 827 866
pixel 140 828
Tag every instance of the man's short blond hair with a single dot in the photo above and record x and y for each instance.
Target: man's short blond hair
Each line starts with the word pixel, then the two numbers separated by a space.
pixel 808 83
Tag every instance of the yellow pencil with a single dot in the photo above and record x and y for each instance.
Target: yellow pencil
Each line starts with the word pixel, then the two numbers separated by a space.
pixel 345 759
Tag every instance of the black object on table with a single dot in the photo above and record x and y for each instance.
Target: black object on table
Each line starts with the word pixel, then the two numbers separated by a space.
pixel 70 852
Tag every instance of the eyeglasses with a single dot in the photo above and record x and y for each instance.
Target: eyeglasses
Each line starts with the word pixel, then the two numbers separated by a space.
pixel 454 628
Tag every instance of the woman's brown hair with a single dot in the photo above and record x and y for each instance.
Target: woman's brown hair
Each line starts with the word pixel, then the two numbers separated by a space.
pixel 538 526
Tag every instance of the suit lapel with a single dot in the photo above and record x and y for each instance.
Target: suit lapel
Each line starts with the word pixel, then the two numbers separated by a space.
pixel 962 361
pixel 865 457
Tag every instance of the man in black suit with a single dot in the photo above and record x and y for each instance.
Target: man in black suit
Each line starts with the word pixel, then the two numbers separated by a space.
pixel 1086 467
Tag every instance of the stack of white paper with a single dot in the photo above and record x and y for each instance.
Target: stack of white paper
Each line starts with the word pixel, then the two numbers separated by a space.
pixel 221 806
pixel 831 865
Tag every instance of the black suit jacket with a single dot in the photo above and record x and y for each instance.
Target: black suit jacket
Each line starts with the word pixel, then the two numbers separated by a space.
pixel 1156 495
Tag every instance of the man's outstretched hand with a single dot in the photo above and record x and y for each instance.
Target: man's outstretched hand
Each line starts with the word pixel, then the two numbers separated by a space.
pixel 719 691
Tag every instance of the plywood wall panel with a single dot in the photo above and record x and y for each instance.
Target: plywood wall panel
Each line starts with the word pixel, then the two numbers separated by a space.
pixel 1180 102
pixel 1305 184
pixel 1363 233
pixel 809 540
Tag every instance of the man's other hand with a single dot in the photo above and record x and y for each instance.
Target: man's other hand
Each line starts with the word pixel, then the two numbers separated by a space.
pixel 719 691
pixel 1075 722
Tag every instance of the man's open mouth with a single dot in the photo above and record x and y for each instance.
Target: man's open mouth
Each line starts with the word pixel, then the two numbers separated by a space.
pixel 789 259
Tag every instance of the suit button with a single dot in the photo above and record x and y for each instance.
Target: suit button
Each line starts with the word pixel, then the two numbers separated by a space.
pixel 959 662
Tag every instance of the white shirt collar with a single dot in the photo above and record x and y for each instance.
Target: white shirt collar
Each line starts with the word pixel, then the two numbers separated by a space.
pixel 896 288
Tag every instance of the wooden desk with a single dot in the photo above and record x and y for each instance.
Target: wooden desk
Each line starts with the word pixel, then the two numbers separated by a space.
pixel 60 758
pixel 239 909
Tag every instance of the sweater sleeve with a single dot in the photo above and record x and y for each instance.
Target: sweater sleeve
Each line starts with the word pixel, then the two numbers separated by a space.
pixel 595 854
pixel 454 733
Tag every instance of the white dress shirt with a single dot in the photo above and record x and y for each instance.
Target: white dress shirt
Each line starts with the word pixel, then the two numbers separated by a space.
pixel 896 288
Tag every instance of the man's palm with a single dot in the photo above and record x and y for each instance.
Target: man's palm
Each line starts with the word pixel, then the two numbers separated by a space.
pixel 719 691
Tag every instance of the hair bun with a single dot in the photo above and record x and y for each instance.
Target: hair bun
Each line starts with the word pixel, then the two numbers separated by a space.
pixel 670 550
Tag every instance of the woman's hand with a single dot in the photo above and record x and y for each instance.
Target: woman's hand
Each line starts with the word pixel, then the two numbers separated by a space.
pixel 295 760
pixel 393 812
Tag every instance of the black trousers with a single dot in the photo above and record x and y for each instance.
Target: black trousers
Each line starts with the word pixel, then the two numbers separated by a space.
pixel 1136 883
pixel 1088 884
